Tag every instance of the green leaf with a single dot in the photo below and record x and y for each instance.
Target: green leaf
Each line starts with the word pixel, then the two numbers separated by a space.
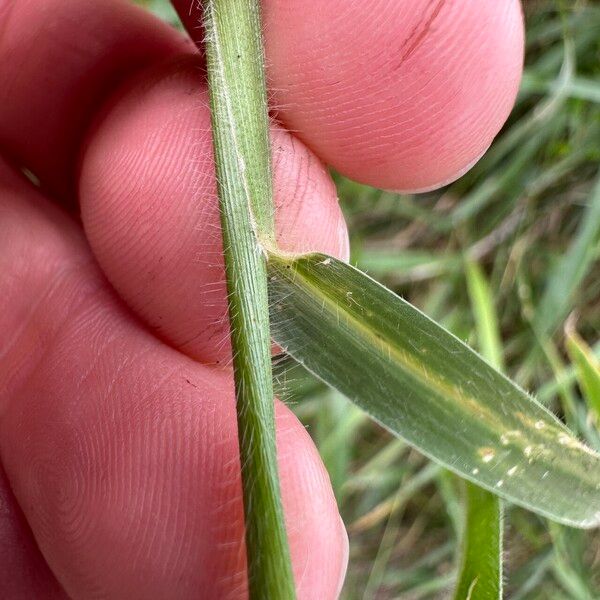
pixel 480 576
pixel 565 278
pixel 486 319
pixel 577 87
pixel 569 566
pixel 481 569
pixel 428 387
pixel 588 371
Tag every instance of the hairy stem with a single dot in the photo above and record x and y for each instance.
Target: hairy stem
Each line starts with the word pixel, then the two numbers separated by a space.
pixel 242 156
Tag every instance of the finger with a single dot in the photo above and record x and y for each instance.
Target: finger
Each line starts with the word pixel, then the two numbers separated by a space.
pixel 149 206
pixel 122 452
pixel 401 95
pixel 60 58
pixel 23 572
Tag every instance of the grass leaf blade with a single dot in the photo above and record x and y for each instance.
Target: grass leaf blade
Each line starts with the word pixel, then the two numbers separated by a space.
pixel 428 387
pixel 480 575
pixel 481 569
pixel 588 371
pixel 487 327
pixel 569 271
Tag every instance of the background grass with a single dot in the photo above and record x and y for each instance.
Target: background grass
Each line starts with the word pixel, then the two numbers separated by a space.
pixel 528 215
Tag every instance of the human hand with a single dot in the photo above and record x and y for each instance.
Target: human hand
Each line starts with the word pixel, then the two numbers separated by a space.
pixel 117 421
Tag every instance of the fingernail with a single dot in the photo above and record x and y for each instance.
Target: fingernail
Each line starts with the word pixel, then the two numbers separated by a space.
pixel 345 554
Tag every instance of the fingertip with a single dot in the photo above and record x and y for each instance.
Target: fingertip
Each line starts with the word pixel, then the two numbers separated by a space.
pixel 308 215
pixel 401 96
pixel 345 546
pixel 150 209
pixel 449 179
pixel 24 573
pixel 317 537
pixel 61 59
pixel 123 452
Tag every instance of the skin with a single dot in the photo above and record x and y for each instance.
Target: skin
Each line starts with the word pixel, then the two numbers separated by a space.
pixel 119 472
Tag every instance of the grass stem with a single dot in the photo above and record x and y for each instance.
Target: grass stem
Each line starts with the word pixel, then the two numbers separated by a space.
pixel 242 155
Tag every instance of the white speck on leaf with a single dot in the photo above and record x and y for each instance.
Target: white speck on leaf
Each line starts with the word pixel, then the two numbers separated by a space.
pixel 487 454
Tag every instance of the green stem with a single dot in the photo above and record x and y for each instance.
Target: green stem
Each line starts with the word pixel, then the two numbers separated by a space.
pixel 242 157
